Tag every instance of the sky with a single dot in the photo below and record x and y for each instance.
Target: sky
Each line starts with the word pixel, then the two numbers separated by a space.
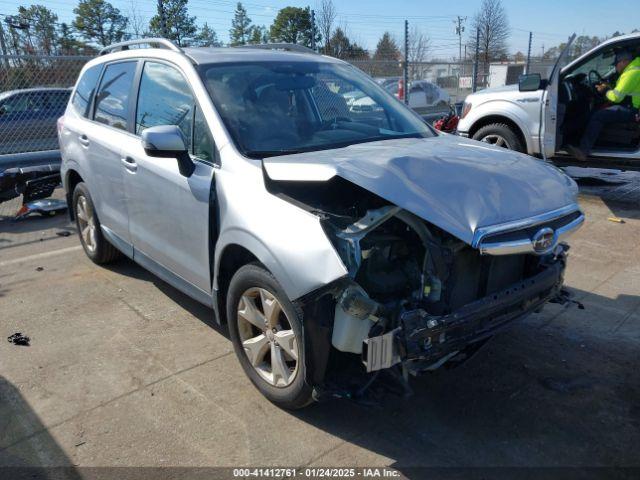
pixel 551 21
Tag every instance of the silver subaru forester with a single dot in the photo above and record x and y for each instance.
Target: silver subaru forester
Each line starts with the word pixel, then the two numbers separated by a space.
pixel 336 243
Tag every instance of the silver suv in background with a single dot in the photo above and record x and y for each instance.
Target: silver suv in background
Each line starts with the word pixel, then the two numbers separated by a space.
pixel 329 240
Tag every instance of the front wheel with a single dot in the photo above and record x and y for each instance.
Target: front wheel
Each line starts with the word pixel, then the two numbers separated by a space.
pixel 500 135
pixel 268 337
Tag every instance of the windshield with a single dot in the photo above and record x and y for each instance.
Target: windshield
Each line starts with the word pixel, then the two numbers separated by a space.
pixel 279 108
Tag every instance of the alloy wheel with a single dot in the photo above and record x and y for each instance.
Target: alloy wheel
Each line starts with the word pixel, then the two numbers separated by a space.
pixel 497 140
pixel 86 223
pixel 267 337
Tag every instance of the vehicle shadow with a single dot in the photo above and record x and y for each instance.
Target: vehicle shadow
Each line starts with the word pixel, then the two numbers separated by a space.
pixel 39 458
pixel 131 269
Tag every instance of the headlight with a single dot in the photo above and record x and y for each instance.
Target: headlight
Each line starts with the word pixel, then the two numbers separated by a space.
pixel 466 108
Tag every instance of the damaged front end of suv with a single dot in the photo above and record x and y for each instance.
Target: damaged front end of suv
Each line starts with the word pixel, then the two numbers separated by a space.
pixel 416 294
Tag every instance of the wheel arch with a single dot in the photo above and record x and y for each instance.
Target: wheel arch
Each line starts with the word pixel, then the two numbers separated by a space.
pixel 511 123
pixel 71 179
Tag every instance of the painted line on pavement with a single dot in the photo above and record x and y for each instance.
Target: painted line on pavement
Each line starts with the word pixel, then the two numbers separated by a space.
pixel 39 256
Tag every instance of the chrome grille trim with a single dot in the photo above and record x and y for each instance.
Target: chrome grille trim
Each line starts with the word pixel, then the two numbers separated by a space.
pixel 482 240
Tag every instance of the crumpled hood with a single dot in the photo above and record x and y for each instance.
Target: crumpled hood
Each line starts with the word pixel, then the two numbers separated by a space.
pixel 454 183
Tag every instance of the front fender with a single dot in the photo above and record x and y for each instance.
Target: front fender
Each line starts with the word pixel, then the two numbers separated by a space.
pixel 521 112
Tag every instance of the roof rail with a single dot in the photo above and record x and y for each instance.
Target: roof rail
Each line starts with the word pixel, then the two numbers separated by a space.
pixel 158 42
pixel 291 47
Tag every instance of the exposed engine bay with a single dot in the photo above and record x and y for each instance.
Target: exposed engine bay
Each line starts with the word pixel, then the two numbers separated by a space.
pixel 416 295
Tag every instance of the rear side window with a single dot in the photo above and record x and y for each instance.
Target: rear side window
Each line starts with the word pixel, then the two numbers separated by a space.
pixel 56 100
pixel 86 88
pixel 164 99
pixel 112 99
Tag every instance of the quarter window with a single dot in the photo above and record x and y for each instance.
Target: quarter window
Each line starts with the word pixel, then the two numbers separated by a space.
pixel 202 143
pixel 112 100
pixel 164 99
pixel 85 90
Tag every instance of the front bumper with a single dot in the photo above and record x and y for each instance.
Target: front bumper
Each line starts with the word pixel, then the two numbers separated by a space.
pixel 422 340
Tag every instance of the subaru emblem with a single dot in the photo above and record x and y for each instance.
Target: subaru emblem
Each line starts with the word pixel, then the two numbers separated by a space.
pixel 544 240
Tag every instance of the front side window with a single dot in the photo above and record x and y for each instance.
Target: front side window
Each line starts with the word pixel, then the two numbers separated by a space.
pixel 112 99
pixel 601 62
pixel 164 99
pixel 85 90
pixel 279 108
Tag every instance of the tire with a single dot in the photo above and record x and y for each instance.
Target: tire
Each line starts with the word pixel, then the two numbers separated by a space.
pixel 284 382
pixel 500 135
pixel 95 245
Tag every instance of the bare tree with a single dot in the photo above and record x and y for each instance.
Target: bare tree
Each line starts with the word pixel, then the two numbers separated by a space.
pixel 137 23
pixel 419 45
pixel 491 20
pixel 325 19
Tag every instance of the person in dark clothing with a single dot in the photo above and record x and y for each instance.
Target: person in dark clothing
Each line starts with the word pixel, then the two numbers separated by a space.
pixel 625 97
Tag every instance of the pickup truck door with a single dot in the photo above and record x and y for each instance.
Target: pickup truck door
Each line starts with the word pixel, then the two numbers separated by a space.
pixel 549 106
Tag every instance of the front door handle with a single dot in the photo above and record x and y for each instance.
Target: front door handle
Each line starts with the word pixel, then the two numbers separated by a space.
pixel 84 140
pixel 129 163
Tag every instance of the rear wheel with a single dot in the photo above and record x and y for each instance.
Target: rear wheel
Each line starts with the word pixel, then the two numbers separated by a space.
pixel 268 338
pixel 500 135
pixel 95 245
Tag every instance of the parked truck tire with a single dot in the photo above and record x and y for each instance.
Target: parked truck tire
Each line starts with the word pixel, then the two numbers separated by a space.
pixel 268 337
pixel 94 243
pixel 500 135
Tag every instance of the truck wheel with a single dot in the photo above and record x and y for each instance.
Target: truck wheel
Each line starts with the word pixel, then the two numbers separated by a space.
pixel 500 135
pixel 95 245
pixel 268 337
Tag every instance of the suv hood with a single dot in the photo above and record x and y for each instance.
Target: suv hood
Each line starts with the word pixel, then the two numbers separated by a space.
pixel 456 184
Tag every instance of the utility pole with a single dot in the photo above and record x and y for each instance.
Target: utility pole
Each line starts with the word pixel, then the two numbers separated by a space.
pixel 543 51
pixel 474 80
pixel 163 19
pixel 459 30
pixel 313 30
pixel 406 62
pixel 3 47
pixel 529 53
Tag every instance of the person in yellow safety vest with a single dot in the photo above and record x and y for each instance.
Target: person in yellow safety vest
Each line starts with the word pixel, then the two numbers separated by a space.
pixel 625 97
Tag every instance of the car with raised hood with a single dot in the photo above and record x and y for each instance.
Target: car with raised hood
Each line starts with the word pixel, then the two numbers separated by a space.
pixel 329 241
pixel 543 115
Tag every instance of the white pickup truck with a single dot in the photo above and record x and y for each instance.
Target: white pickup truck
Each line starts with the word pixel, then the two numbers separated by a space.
pixel 540 116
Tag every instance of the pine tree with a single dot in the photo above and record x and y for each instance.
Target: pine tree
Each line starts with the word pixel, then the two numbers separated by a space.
pixel 180 26
pixel 99 21
pixel 42 23
pixel 387 56
pixel 241 28
pixel 207 37
pixel 259 34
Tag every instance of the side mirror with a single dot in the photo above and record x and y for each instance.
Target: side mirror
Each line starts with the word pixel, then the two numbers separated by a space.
pixel 167 141
pixel 530 82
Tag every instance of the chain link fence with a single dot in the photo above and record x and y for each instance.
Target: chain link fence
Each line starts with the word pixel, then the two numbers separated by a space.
pixel 34 91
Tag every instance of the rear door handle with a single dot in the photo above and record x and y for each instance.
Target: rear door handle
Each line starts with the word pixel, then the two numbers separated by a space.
pixel 129 163
pixel 84 140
